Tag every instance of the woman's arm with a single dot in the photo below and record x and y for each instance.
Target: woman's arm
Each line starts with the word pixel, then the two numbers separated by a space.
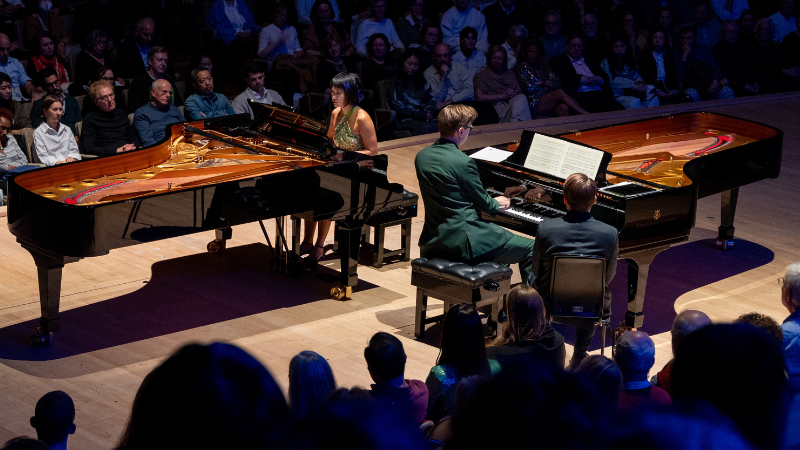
pixel 366 130
pixel 332 126
pixel 266 44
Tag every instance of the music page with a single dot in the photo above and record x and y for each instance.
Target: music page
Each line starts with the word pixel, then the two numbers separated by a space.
pixel 491 154
pixel 561 158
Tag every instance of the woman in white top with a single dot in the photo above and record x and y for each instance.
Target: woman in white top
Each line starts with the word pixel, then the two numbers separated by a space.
pixel 378 23
pixel 278 38
pixel 54 143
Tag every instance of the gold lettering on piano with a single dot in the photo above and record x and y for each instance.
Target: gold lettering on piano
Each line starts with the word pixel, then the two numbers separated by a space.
pixel 657 214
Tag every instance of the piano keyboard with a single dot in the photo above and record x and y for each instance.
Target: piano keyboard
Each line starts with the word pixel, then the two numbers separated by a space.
pixel 527 212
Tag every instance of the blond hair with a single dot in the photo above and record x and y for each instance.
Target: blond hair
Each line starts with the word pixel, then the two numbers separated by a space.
pixel 94 89
pixel 453 117
pixel 580 191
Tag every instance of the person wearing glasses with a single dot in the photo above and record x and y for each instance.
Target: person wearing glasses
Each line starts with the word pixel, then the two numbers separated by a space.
pixel 108 131
pixel 139 93
pixel 53 142
pixel 553 42
pixel 378 24
pixel 47 79
pixel 451 190
pixel 151 120
pixel 790 297
pixel 107 74
pixel 94 56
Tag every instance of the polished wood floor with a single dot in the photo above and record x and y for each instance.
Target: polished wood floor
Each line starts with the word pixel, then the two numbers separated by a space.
pixel 125 312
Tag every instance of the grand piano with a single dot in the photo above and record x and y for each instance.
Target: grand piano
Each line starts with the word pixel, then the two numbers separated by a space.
pixel 205 175
pixel 657 170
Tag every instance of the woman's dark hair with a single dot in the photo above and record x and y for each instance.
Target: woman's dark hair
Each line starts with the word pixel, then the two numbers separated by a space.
pixel 277 7
pixel 605 376
pixel 350 83
pixel 5 112
pixel 5 78
pixel 320 28
pixel 497 49
pixel 526 317
pixel 462 342
pixel 310 382
pixel 616 64
pixel 206 397
pixel 658 29
pixel 408 54
pixel 100 73
pixel 36 43
pixel 657 18
pixel 48 102
pixel 540 64
pixel 326 44
pixel 372 40
pixel 93 36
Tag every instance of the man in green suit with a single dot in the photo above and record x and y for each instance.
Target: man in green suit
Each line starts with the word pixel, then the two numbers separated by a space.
pixel 451 189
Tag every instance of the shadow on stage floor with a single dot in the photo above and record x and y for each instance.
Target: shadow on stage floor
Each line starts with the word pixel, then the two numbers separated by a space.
pixel 183 293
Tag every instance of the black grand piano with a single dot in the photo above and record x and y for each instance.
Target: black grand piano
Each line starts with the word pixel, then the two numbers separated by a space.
pixel 205 175
pixel 657 170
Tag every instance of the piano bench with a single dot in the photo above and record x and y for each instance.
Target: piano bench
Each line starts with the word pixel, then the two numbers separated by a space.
pixel 486 283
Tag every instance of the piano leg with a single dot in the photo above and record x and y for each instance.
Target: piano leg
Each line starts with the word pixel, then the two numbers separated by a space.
pixel 728 212
pixel 48 267
pixel 349 247
pixel 638 269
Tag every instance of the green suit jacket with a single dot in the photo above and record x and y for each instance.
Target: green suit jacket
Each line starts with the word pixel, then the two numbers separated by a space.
pixel 450 186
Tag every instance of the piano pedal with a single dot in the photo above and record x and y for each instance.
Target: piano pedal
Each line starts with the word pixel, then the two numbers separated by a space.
pixel 724 244
pixel 339 292
pixel 216 246
pixel 41 338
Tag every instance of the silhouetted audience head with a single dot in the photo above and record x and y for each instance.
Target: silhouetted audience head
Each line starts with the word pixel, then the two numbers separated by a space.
pixel 54 417
pixel 764 323
pixel 526 316
pixel 635 355
pixel 462 344
pixel 740 371
pixel 497 58
pixel 604 374
pixel 551 23
pixel 377 46
pixel 310 382
pixel 103 73
pixel 386 358
pixel 687 322
pixel 206 397
pixel 24 443
pixel 790 287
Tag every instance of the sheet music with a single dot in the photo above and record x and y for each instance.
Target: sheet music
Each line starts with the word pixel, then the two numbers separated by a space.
pixel 491 154
pixel 562 158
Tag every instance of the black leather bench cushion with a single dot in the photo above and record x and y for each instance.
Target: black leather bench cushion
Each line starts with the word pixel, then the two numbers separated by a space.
pixel 461 273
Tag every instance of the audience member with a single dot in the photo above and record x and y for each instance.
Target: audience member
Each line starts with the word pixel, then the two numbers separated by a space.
pixel 729 10
pixel 626 83
pixel 553 43
pixel 541 86
pixel 517 34
pixel 790 297
pixel 90 59
pixel 231 20
pixel 51 86
pixel 47 18
pixel 753 390
pixel 790 47
pixel 107 131
pixel 583 79
pixel 54 419
pixel 412 97
pixel 411 27
pixel 609 14
pixel 378 65
pixel 139 91
pixel 595 43
pixel 636 37
pixel 322 26
pixel 12 158
pixel 466 391
pixel 53 142
pixel 605 376
pixel 709 31
pixel 498 85
pixel 500 16
pixel 331 64
pixel 205 103
pixel 697 70
pixel 467 54
pixel 46 58
pixel 657 67
pixel 685 322
pixel 278 39
pixel 462 354
pixel 558 236
pixel 104 14
pixel 460 16
pixel 735 61
pixel 431 36
pixel 774 72
pixel 151 120
pixel 206 397
pixel 305 11
pixel 747 22
pixel 635 355
pixel 25 443
pixel 19 119
pixel 310 382
pixel 386 362
pixel 527 335
pixel 255 91
pixel 16 71
pixel 106 74
pixel 783 21
pixel 377 23
pixel 665 21
pixel 764 323
pixel 132 53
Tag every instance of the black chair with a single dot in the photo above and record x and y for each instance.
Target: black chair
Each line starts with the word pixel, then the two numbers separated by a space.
pixel 577 292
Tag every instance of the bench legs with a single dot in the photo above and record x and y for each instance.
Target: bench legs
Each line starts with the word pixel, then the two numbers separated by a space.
pixel 421 313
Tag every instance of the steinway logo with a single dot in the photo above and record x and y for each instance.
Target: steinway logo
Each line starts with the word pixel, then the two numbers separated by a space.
pixel 657 214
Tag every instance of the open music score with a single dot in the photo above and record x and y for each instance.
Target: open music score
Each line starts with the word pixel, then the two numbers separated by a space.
pixel 561 158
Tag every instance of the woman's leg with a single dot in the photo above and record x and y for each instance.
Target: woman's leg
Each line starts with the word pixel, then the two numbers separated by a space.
pixel 562 110
pixel 565 98
pixel 309 226
pixel 319 246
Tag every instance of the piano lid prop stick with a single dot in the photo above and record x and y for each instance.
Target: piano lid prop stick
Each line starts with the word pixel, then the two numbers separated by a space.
pixel 221 139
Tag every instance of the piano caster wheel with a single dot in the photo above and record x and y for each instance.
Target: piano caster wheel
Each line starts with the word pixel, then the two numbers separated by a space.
pixel 40 338
pixel 724 244
pixel 216 246
pixel 339 292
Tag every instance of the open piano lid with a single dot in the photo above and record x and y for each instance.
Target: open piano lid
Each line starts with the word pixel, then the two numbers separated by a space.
pixel 518 159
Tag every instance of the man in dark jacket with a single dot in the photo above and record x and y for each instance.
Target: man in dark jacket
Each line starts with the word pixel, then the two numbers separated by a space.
pixel 108 131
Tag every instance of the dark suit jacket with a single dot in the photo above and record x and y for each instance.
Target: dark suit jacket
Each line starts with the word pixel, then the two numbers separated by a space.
pixel 649 71
pixel 450 185
pixel 129 61
pixel 577 233
pixel 498 22
pixel 570 80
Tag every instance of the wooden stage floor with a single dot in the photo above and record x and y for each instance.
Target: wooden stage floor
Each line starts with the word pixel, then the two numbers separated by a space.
pixel 123 313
